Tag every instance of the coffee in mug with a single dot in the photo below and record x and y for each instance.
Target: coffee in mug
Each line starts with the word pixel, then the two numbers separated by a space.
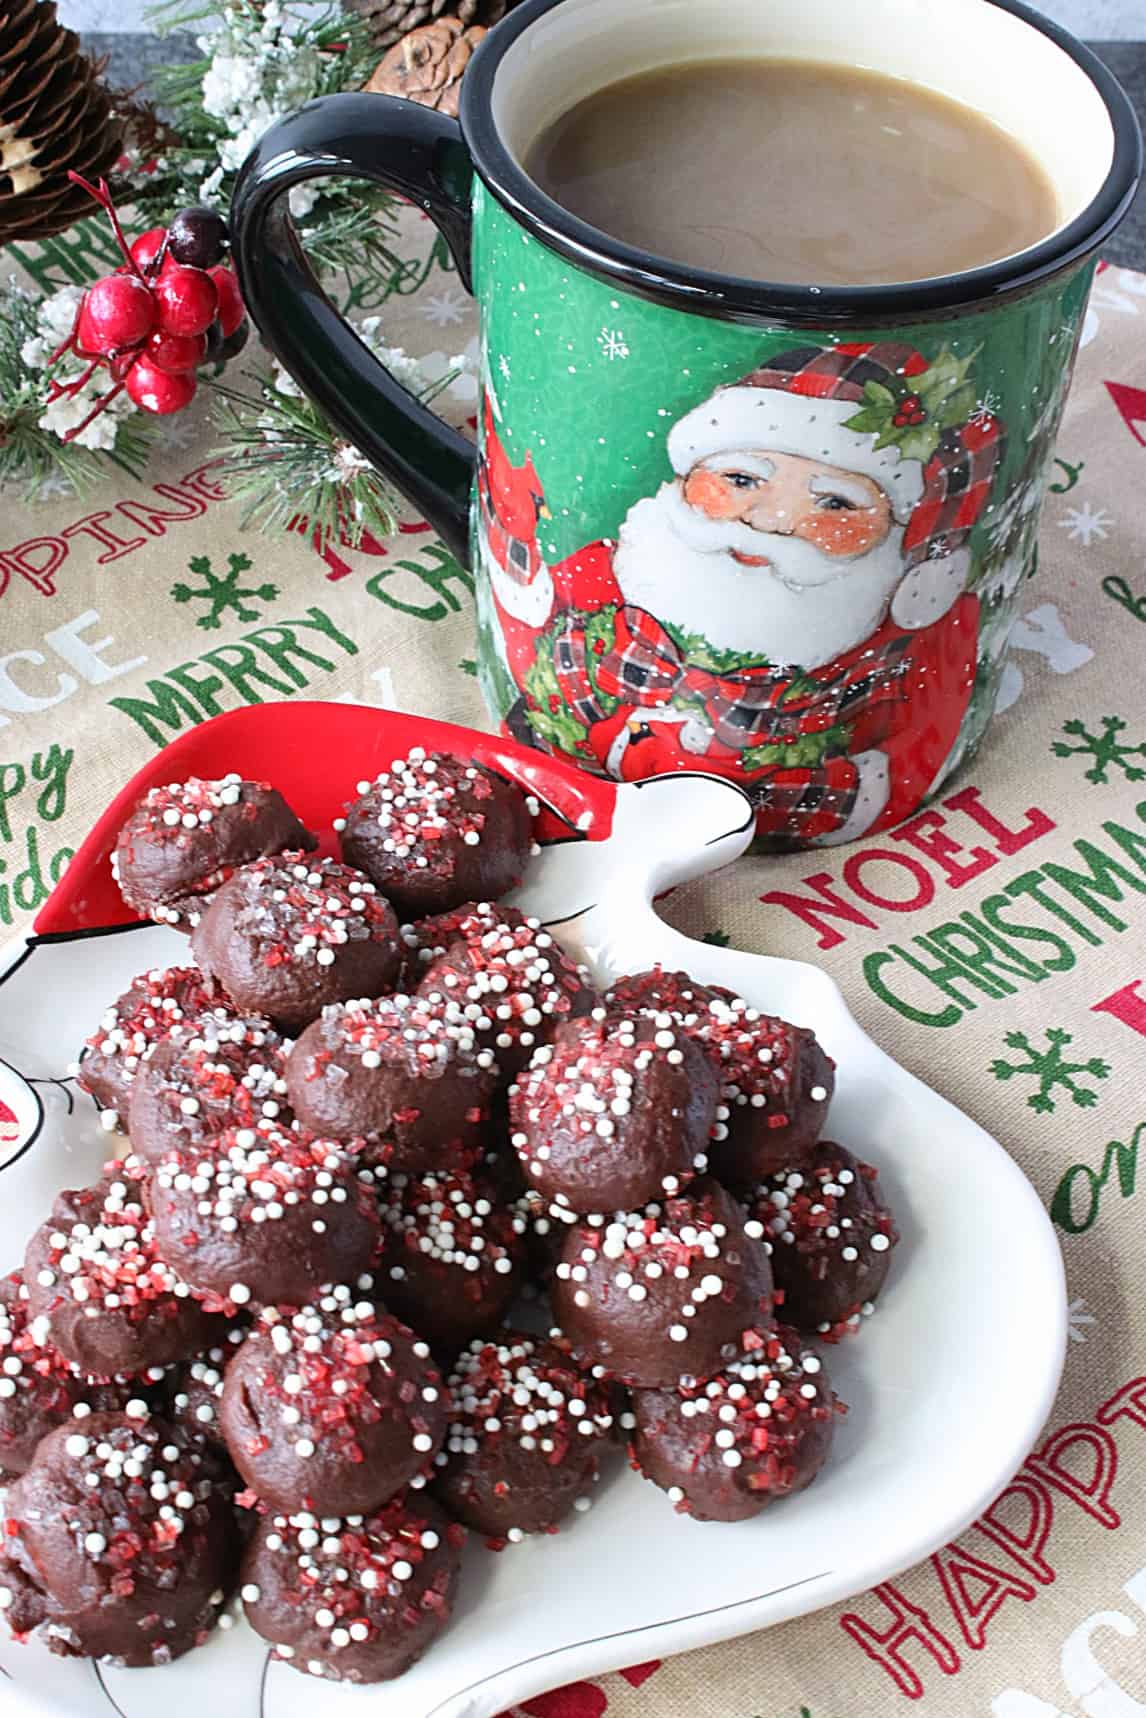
pixel 793 170
pixel 756 487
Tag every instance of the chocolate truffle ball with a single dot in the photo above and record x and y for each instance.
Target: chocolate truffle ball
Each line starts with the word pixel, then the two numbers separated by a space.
pixel 776 1080
pixel 452 1257
pixel 118 1542
pixel 546 1226
pixel 39 1389
pixel 265 1217
pixel 424 940
pixel 665 1293
pixel 759 1429
pixel 213 1071
pixel 614 1112
pixel 512 981
pixel 142 1017
pixel 354 1600
pixel 195 1388
pixel 335 1408
pixel 183 841
pixel 434 831
pixel 287 936
pixel 99 1290
pixel 831 1236
pixel 403 1072
pixel 526 1430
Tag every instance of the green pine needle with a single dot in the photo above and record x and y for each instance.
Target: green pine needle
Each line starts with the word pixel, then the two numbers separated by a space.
pixel 281 460
pixel 29 455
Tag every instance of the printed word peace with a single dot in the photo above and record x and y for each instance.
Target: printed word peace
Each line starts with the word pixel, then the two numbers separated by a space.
pixel 1076 1465
pixel 31 683
pixel 38 560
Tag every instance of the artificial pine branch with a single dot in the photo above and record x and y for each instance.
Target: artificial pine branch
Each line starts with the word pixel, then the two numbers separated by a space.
pixel 291 56
pixel 288 468
pixel 30 454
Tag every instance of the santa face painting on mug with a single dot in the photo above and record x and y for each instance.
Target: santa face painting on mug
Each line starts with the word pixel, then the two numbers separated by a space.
pixel 790 609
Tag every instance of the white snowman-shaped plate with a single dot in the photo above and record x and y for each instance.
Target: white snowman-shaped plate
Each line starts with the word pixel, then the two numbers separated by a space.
pixel 947 1384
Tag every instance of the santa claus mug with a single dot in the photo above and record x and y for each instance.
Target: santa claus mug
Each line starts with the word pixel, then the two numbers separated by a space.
pixel 776 533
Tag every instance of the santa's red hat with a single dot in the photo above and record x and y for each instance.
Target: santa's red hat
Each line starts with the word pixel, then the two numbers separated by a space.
pixel 800 403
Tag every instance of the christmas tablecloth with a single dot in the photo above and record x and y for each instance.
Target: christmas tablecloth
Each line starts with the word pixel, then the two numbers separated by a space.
pixel 996 945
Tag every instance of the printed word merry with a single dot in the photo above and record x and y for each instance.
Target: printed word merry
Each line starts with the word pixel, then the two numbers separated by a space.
pixel 120 530
pixel 1032 928
pixel 945 863
pixel 271 660
pixel 36 789
pixel 1074 1470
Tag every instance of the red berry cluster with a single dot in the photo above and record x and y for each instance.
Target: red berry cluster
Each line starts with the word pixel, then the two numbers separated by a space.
pixel 172 306
pixel 911 412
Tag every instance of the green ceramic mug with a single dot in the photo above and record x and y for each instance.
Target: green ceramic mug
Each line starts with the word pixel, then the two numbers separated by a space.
pixel 620 623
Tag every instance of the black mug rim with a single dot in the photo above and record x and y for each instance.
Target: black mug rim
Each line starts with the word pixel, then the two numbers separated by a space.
pixel 741 298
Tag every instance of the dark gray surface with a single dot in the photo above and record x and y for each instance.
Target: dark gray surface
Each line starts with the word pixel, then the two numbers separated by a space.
pixel 132 58
pixel 1127 60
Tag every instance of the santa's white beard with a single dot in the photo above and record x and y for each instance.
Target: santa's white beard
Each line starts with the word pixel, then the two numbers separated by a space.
pixel 530 603
pixel 803 609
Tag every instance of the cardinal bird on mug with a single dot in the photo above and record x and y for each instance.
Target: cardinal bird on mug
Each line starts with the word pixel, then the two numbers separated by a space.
pixel 791 608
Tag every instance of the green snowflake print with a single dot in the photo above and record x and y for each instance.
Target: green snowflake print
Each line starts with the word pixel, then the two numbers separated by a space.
pixel 1105 748
pixel 223 591
pixel 716 939
pixel 1051 1069
pixel 468 666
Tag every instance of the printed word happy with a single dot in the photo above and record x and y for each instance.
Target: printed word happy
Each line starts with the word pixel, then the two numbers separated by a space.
pixel 37 789
pixel 1069 1480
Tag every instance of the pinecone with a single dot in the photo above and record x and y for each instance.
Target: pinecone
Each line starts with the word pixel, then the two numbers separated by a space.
pixel 427 65
pixel 390 20
pixel 55 114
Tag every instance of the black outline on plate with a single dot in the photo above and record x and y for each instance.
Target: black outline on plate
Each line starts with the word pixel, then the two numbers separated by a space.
pixel 623 1634
pixel 105 1690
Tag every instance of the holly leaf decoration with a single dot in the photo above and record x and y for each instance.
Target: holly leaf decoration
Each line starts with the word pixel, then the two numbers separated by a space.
pixel 936 399
pixel 807 752
pixel 548 714
pixel 942 379
pixel 918 441
pixel 876 415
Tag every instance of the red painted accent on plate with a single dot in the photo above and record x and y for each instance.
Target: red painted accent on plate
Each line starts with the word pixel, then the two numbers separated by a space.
pixel 314 753
pixel 638 1673
pixel 578 1700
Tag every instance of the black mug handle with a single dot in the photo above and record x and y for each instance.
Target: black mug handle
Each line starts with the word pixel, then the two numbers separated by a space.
pixel 419 154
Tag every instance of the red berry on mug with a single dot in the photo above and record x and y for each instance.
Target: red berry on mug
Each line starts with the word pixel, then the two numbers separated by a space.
pixel 187 299
pixel 176 353
pixel 118 311
pixel 147 247
pixel 231 307
pixel 155 390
